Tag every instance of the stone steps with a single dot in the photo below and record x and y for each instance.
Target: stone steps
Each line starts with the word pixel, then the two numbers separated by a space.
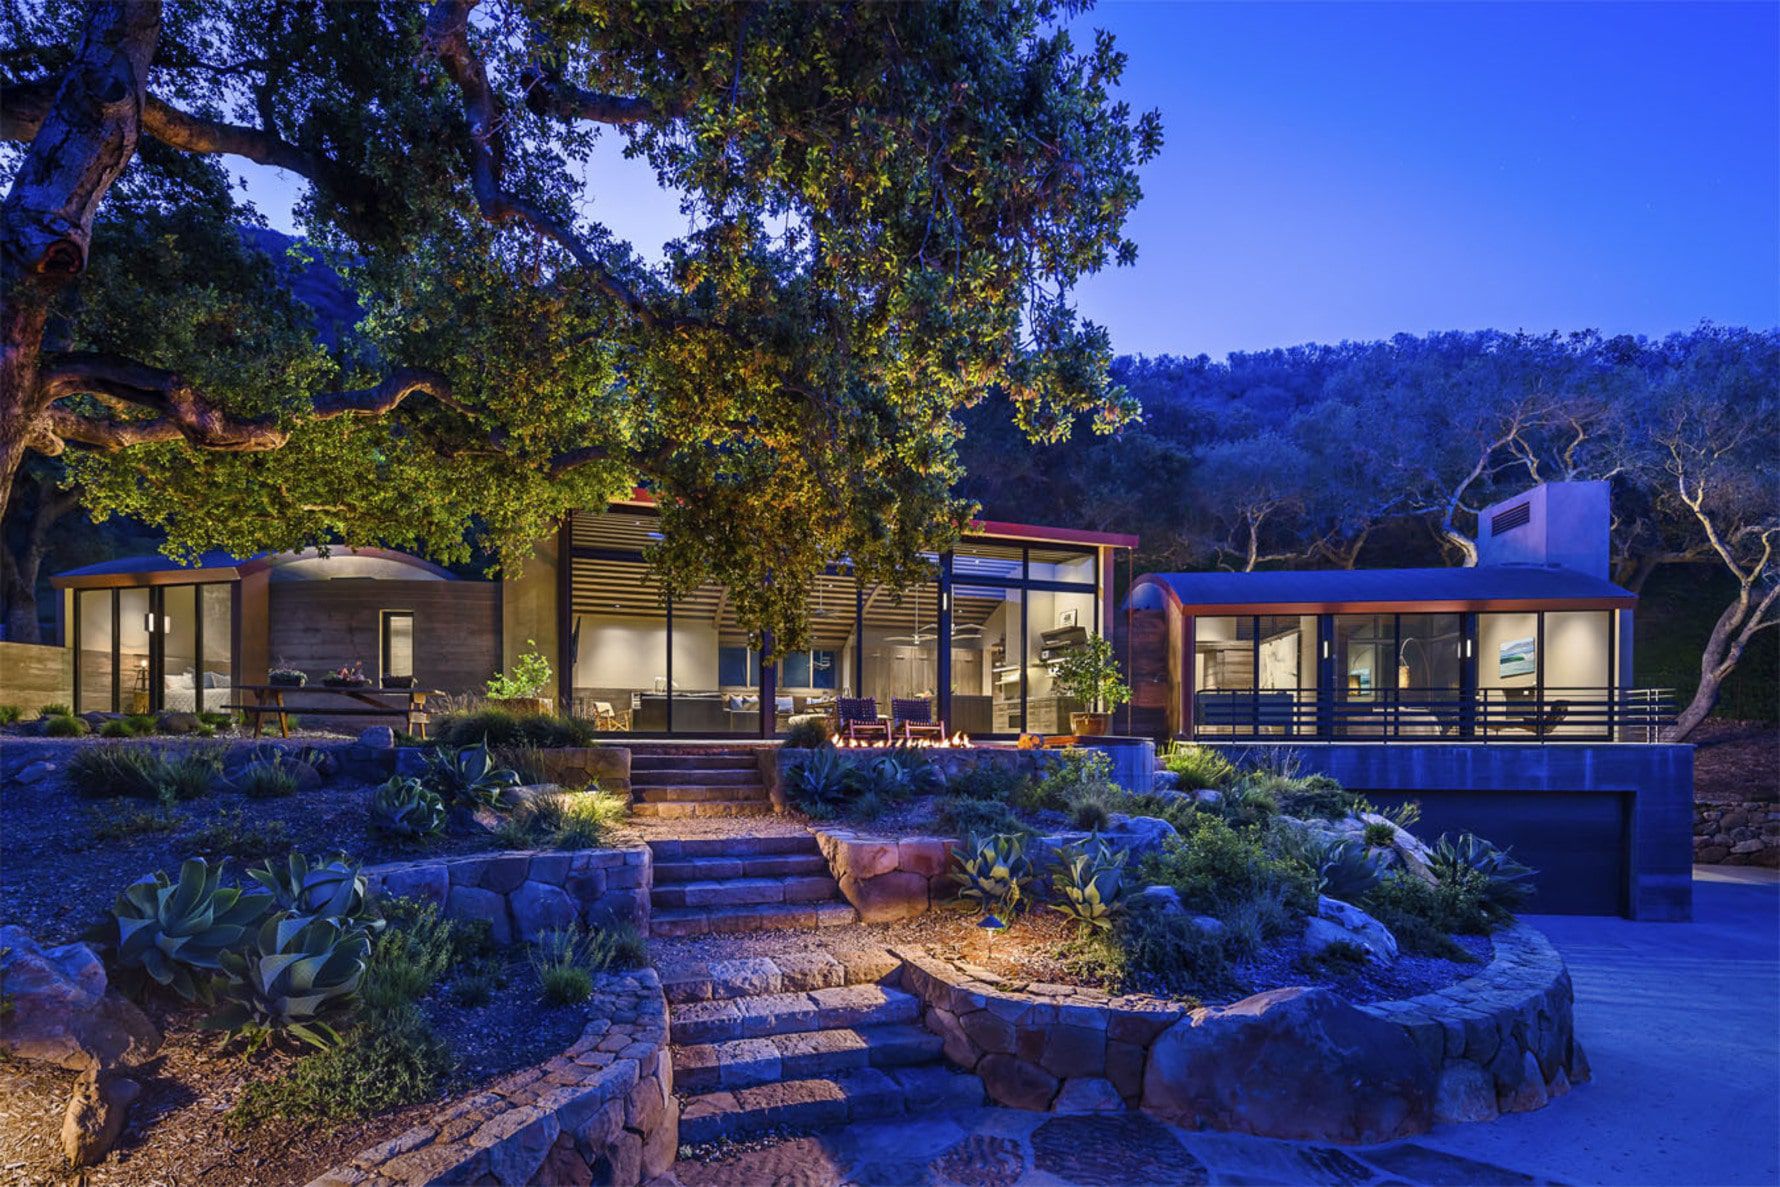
pixel 802 1055
pixel 864 1094
pixel 797 971
pixel 695 777
pixel 766 1014
pixel 679 848
pixel 690 794
pixel 654 763
pixel 737 892
pixel 679 809
pixel 704 921
pixel 741 865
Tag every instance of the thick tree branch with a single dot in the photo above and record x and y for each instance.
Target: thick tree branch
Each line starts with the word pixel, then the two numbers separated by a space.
pixel 548 94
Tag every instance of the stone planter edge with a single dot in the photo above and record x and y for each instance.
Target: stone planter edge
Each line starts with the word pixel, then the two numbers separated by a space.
pixel 522 893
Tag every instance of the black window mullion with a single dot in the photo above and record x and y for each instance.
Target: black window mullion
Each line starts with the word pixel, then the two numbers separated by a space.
pixel 669 690
pixel 198 648
pixel 1025 631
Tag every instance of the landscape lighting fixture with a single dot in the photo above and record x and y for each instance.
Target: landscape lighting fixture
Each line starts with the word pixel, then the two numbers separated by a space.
pixel 991 924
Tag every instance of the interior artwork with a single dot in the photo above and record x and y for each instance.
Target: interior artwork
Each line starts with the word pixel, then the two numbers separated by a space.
pixel 1517 658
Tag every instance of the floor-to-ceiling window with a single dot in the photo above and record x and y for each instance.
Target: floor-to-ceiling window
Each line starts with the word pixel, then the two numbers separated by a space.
pixel 900 642
pixel 1255 674
pixel 95 660
pixel 142 649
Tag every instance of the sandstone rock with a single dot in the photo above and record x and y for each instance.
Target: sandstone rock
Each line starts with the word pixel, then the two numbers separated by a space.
pixel 1165 781
pixel 62 1012
pixel 1071 1051
pixel 1208 796
pixel 886 897
pixel 173 721
pixel 1012 1081
pixel 662 1142
pixel 377 737
pixel 538 908
pixel 1163 898
pixel 1529 1094
pixel 1138 836
pixel 96 1114
pixel 1088 1094
pixel 956 1044
pixel 1465 1092
pixel 1337 921
pixel 1291 1063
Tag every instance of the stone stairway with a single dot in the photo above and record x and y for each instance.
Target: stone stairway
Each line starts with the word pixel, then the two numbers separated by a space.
pixel 802 1040
pixel 734 884
pixel 703 781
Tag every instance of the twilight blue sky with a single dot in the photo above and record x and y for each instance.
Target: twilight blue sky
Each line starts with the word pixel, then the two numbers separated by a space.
pixel 1341 170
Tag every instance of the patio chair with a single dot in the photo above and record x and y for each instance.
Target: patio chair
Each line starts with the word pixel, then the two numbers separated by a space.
pixel 859 720
pixel 913 719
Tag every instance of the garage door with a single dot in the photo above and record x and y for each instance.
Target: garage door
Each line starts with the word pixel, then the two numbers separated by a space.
pixel 1578 841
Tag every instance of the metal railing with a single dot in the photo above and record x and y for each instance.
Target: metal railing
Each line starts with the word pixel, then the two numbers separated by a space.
pixel 1550 714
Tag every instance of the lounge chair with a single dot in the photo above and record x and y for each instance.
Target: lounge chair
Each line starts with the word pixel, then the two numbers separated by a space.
pixel 913 719
pixel 859 720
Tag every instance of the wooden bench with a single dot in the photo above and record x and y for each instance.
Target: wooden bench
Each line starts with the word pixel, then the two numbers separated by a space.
pixel 267 700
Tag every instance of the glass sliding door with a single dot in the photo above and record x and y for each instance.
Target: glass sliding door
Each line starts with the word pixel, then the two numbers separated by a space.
pixel 1223 675
pixel 175 627
pixel 620 645
pixel 216 628
pixel 1577 679
pixel 986 662
pixel 1430 675
pixel 1365 673
pixel 901 642
pixel 1285 674
pixel 95 657
pixel 136 682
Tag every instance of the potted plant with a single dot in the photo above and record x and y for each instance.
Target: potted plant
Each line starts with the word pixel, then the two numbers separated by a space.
pixel 286 676
pixel 350 676
pixel 1090 676
pixel 520 688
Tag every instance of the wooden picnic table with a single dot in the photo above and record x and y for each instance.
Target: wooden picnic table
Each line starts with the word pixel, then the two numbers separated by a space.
pixel 260 701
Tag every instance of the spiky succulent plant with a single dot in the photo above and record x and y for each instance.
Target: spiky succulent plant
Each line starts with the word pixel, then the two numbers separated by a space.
pixel 992 872
pixel 298 976
pixel 1501 882
pixel 407 809
pixel 468 776
pixel 1089 881
pixel 1349 871
pixel 176 932
pixel 329 889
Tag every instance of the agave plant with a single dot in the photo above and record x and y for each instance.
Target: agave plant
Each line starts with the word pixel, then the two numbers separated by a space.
pixel 1348 871
pixel 1089 882
pixel 298 975
pixel 331 889
pixel 468 776
pixel 993 872
pixel 407 809
pixel 168 930
pixel 896 775
pixel 818 785
pixel 1502 883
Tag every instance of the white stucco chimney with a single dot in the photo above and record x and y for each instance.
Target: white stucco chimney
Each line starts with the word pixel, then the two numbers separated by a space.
pixel 1565 525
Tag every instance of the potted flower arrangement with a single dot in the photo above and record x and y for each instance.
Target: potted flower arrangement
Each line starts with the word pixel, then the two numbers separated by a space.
pixel 520 689
pixel 286 676
pixel 1090 676
pixel 350 676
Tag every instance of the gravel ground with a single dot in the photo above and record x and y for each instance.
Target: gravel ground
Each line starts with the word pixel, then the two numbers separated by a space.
pixel 177 1132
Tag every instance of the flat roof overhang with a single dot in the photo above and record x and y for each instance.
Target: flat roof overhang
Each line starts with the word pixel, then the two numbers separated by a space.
pixel 1387 591
pixel 138 571
pixel 981 527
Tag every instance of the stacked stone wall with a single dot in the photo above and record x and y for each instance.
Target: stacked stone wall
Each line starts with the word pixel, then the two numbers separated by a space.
pixel 522 893
pixel 1745 833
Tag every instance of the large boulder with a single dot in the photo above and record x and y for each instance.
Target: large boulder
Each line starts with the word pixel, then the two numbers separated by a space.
pixel 1138 836
pixel 62 1011
pixel 1291 1063
pixel 1339 922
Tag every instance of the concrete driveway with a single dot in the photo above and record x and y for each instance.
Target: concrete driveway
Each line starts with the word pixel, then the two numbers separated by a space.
pixel 1682 1026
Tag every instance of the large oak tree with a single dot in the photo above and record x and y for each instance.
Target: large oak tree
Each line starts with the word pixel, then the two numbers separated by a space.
pixel 888 206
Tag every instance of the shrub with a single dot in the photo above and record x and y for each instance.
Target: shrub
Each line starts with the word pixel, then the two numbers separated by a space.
pixel 1252 921
pixel 621 947
pixel 1379 835
pixel 992 872
pixel 1316 796
pixel 1499 883
pixel 64 725
pixel 498 727
pixel 1092 808
pixel 528 677
pixel 392 1061
pixel 410 955
pixel 116 728
pixel 1199 767
pixel 989 781
pixel 191 774
pixel 586 817
pixel 1248 802
pixel 269 778
pixel 524 759
pixel 965 817
pixel 10 714
pixel 811 733
pixel 175 932
pixel 1176 810
pixel 1337 958
pixel 1088 883
pixel 1167 953
pixel 231 834
pixel 1348 871
pixel 1422 917
pixel 300 975
pixel 1215 867
pixel 473 988
pixel 406 810
pixel 1078 773
pixel 113 825
pixel 467 777
pixel 101 772
pixel 54 709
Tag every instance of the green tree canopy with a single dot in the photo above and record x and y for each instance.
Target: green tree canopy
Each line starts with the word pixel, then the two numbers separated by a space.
pixel 889 206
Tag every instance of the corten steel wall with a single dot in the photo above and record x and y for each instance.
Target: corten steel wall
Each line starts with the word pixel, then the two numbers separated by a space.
pixel 1609 826
pixel 317 626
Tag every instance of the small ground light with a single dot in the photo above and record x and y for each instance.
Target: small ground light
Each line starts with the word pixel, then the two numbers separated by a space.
pixel 991 924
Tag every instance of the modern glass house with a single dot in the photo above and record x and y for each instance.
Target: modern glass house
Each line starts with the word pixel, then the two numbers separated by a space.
pixel 974 643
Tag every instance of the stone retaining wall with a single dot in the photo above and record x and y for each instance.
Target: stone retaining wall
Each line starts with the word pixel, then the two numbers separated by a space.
pixel 522 893
pixel 578 766
pixel 1500 1041
pixel 603 1111
pixel 1745 833
pixel 888 878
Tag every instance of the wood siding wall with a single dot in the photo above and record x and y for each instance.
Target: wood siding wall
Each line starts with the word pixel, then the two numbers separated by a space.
pixel 33 675
pixel 318 626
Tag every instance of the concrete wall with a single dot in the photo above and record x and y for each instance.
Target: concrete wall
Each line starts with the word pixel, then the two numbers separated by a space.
pixel 33 675
pixel 1568 527
pixel 1547 797
pixel 317 626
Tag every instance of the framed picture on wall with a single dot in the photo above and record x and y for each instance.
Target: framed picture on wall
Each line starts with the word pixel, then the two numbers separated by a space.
pixel 1517 657
pixel 1066 617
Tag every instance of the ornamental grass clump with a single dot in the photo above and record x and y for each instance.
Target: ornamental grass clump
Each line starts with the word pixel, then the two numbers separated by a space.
pixel 1199 767
pixel 191 774
pixel 64 725
pixel 269 778
pixel 1216 868
pixel 112 770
